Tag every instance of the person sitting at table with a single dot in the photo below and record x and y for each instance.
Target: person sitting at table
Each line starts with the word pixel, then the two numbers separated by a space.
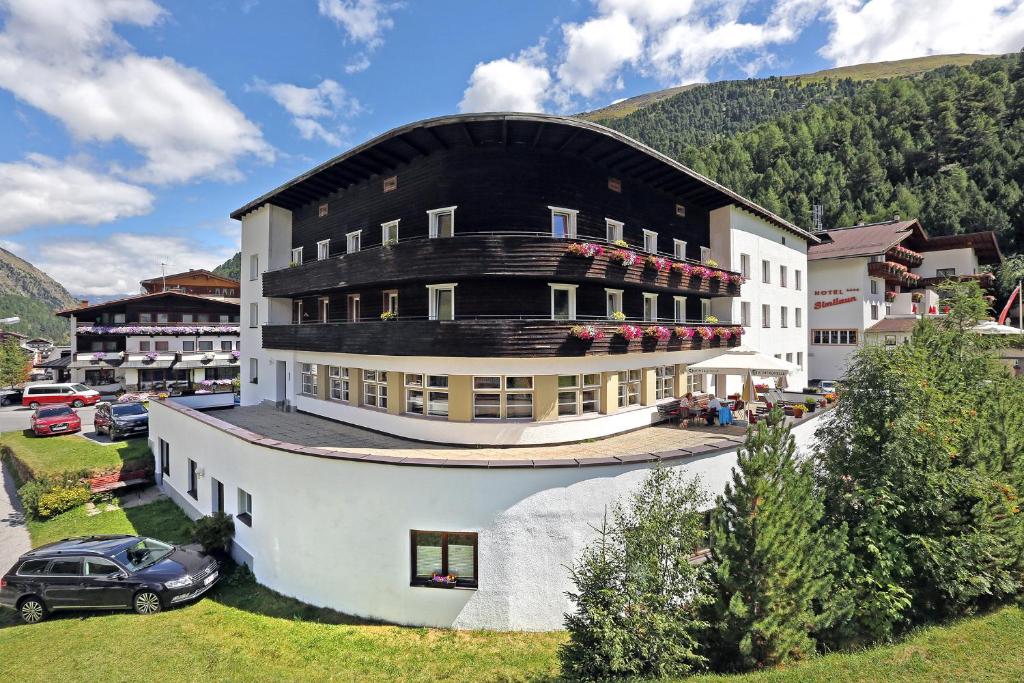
pixel 713 405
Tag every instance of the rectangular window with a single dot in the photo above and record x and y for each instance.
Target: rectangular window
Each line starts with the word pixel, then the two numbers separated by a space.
pixel 442 222
pixel 444 554
pixel 163 318
pixel 297 255
pixel 188 346
pixel 339 380
pixel 165 458
pixel 441 302
pixel 495 397
pixel 324 304
pixel 375 388
pixel 766 315
pixel 352 308
pixel 874 311
pixel 745 313
pixel 323 249
pixel 800 358
pixel 143 346
pixel 322 210
pixel 679 309
pixel 254 315
pixel 563 302
pixel 834 337
pixel 389 233
pixel 309 379
pixel 163 346
pixel 705 254
pixel 874 286
pixel 613 302
pixel 798 317
pixel 185 318
pixel 615 185
pixel 613 230
pixel 766 272
pixel 798 279
pixel 680 210
pixel 204 345
pixel 890 340
pixel 664 381
pixel 579 394
pixel 629 388
pixel 390 183
pixel 563 223
pixel 217 493
pixel 745 265
pixel 650 242
pixel 254 267
pixel 244 507
pixel 945 272
pixel 782 276
pixel 789 357
pixel 695 383
pixel 254 371
pixel 783 316
pixel 705 309
pixel 193 479
pixel 679 249
pixel 650 307
pixel 353 241
pixel 390 302
pixel 145 317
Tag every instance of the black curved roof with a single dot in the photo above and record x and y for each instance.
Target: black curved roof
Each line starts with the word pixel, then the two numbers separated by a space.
pixel 623 157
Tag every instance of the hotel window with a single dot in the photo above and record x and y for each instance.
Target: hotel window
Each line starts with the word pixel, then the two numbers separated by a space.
pixel 798 317
pixel 664 381
pixel 352 308
pixel 579 394
pixel 390 184
pixel 705 309
pixel 296 311
pixel 613 230
pixel 679 309
pixel 834 337
pixel 766 272
pixel 613 302
pixel 680 210
pixel 225 346
pixel 441 299
pixel 798 277
pixel 874 311
pixel 323 249
pixel 254 314
pixel 340 385
pixel 945 272
pixel 391 301
pixel 432 398
pixel 745 313
pixel 783 316
pixel 244 507
pixel 185 318
pixel 874 286
pixel 679 249
pixel 389 233
pixel 353 241
pixel 442 222
pixel 204 345
pixel 165 458
pixel 789 357
pixel 193 479
pixel 143 346
pixel 800 358
pixel 563 301
pixel 650 307
pixel 705 254
pixel 629 388
pixel 650 242
pixel 375 388
pixel 563 223
pixel 188 346
pixel 695 383
pixel 165 346
pixel 309 379
pixel 254 371
pixel 163 318
pixel 766 315
pixel 496 397
pixel 782 276
pixel 324 304
pixel 442 553
pixel 297 255
pixel 254 267
pixel 745 265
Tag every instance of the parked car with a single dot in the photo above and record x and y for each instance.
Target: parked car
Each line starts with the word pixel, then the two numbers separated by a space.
pixel 105 572
pixel 10 397
pixel 121 419
pixel 77 395
pixel 50 420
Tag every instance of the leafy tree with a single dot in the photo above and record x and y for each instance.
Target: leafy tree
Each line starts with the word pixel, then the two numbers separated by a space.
pixel 13 364
pixel 637 597
pixel 772 558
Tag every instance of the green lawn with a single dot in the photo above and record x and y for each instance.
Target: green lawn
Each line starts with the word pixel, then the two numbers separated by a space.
pixel 72 453
pixel 245 632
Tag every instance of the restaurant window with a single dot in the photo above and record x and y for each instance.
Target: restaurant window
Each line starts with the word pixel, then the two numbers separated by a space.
pixel 193 479
pixel 874 311
pixel 679 309
pixel 629 388
pixel 679 249
pixel 352 308
pixel 694 383
pixel 339 383
pixel 783 316
pixel 650 242
pixel 244 507
pixel 254 267
pixel 766 315
pixel 297 255
pixel 745 313
pixel 798 277
pixel 563 223
pixel 426 394
pixel 353 241
pixel 442 222
pixel 664 381
pixel 705 254
pixel 441 302
pixel 650 307
pixel 613 302
pixel 579 394
pixel 375 388
pixel 165 458
pixel 613 230
pixel 563 301
pixel 766 271
pixel 444 554
pixel 390 302
pixel 745 265
pixel 782 276
pixel 165 346
pixel 254 316
pixel 834 337
pixel 254 371
pixel 945 272
pixel 323 249
pixel 309 379
pixel 798 317
pixel 496 397
pixel 389 233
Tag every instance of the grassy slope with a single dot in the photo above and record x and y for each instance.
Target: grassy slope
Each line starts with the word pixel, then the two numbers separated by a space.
pixel 246 632
pixel 72 453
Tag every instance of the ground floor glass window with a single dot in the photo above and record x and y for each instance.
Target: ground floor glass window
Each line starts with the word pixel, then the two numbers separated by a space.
pixel 665 382
pixel 440 557
pixel 375 388
pixel 496 397
pixel 579 394
pixel 426 394
pixel 629 388
pixel 340 385
pixel 309 379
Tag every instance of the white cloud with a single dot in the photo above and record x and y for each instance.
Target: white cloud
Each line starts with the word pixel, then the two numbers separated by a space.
pixel 41 190
pixel 328 100
pixel 885 30
pixel 597 50
pixel 508 84
pixel 115 264
pixel 363 20
pixel 359 64
pixel 64 57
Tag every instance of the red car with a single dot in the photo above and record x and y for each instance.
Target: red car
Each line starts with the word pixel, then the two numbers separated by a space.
pixel 50 420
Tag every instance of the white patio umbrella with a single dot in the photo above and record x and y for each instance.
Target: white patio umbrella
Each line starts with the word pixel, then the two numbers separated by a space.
pixel 747 363
pixel 992 327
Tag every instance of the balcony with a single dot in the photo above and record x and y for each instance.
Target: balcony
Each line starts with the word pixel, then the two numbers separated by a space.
pixel 486 337
pixel 907 257
pixel 893 273
pixel 987 281
pixel 156 329
pixel 483 255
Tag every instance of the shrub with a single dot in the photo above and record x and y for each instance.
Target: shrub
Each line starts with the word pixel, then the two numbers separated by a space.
pixel 61 499
pixel 214 532
pixel 30 493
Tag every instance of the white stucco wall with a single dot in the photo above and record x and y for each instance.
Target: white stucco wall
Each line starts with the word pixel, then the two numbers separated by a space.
pixel 964 260
pixel 335 533
pixel 833 279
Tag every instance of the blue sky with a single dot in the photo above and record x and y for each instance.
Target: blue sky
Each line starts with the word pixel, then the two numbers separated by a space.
pixel 131 128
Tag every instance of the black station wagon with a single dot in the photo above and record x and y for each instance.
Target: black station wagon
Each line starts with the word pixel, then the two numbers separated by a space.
pixel 105 572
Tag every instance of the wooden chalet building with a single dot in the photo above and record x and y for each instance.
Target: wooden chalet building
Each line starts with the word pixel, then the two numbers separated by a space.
pixel 201 282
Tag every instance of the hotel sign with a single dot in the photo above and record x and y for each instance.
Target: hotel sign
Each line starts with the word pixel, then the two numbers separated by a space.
pixel 839 297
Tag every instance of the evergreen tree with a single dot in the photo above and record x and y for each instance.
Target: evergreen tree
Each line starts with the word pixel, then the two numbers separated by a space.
pixel 772 561
pixel 13 364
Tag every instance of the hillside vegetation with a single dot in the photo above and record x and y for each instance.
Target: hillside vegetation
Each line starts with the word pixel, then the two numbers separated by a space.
pixel 231 268
pixel 32 295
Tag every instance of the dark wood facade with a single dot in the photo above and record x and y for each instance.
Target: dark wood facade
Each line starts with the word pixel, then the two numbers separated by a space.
pixel 176 307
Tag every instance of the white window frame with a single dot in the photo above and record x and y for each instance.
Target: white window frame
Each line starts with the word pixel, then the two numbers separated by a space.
pixel 679 249
pixel 695 382
pixel 432 301
pixel 664 382
pixel 783 316
pixel 614 230
pixel 705 309
pixel 705 254
pixel 766 316
pixel 630 389
pixel 798 280
pixel 386 228
pixel 309 379
pixel 745 314
pixel 353 313
pixel 745 265
pixel 612 296
pixel 254 314
pixel 391 301
pixel 339 383
pixel 766 271
pixel 354 238
pixel 297 256
pixel 679 308
pixel 571 289
pixel 570 223
pixel 798 317
pixel 576 393
pixel 874 311
pixel 783 273
pixel 254 371
pixel 323 249
pixel 874 286
pixel 380 386
pixel 254 267
pixel 502 391
pixel 648 296
pixel 433 215
pixel 650 241
pixel 323 305
pixel 244 505
pixel 800 359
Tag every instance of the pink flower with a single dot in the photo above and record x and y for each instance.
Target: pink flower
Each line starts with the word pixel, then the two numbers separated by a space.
pixel 685 332
pixel 684 269
pixel 736 279
pixel 718 275
pixel 738 331
pixel 586 332
pixel 629 332
pixel 658 331
pixel 706 333
pixel 657 262
pixel 585 249
pixel 624 256
pixel 724 332
pixel 703 272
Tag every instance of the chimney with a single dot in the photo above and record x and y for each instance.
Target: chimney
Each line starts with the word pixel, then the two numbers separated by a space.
pixel 83 303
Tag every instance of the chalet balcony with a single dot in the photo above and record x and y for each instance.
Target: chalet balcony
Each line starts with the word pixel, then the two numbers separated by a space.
pixel 894 273
pixel 156 329
pixel 907 257
pixel 497 337
pixel 485 255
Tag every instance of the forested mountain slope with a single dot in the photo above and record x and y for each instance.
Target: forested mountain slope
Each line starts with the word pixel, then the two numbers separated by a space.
pixel 32 295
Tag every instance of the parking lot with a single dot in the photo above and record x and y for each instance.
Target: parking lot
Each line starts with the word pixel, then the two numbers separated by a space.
pixel 16 418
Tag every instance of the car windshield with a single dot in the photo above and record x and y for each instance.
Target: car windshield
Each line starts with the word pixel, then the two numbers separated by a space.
pixel 80 387
pixel 55 412
pixel 143 554
pixel 130 409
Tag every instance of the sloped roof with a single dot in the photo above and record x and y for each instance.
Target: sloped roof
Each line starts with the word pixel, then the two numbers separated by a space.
pixel 905 325
pixel 154 295
pixel 862 240
pixel 196 271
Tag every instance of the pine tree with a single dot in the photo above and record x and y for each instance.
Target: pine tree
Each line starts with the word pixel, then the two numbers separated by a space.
pixel 772 561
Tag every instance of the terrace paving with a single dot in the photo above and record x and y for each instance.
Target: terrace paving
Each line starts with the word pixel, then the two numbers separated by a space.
pixel 312 431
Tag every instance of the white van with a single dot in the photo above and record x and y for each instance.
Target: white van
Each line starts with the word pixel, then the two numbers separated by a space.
pixel 77 395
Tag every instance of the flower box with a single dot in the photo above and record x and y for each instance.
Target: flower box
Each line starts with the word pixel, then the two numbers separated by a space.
pixel 706 333
pixel 442 581
pixel 684 332
pixel 624 257
pixel 658 332
pixel 629 332
pixel 587 333
pixel 658 263
pixel 585 249
pixel 684 269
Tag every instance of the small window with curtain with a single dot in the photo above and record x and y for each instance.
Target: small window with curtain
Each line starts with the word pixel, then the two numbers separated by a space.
pixel 444 559
pixel 563 222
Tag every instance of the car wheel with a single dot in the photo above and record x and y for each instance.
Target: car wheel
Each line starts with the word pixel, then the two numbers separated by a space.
pixel 33 405
pixel 78 403
pixel 146 602
pixel 32 610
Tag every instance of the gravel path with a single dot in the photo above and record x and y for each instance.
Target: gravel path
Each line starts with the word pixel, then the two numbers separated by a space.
pixel 14 538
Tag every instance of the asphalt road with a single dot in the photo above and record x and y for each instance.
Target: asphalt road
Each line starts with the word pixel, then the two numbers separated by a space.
pixel 15 418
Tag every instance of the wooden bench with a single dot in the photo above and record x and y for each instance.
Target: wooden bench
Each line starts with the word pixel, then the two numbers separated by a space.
pixel 119 480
